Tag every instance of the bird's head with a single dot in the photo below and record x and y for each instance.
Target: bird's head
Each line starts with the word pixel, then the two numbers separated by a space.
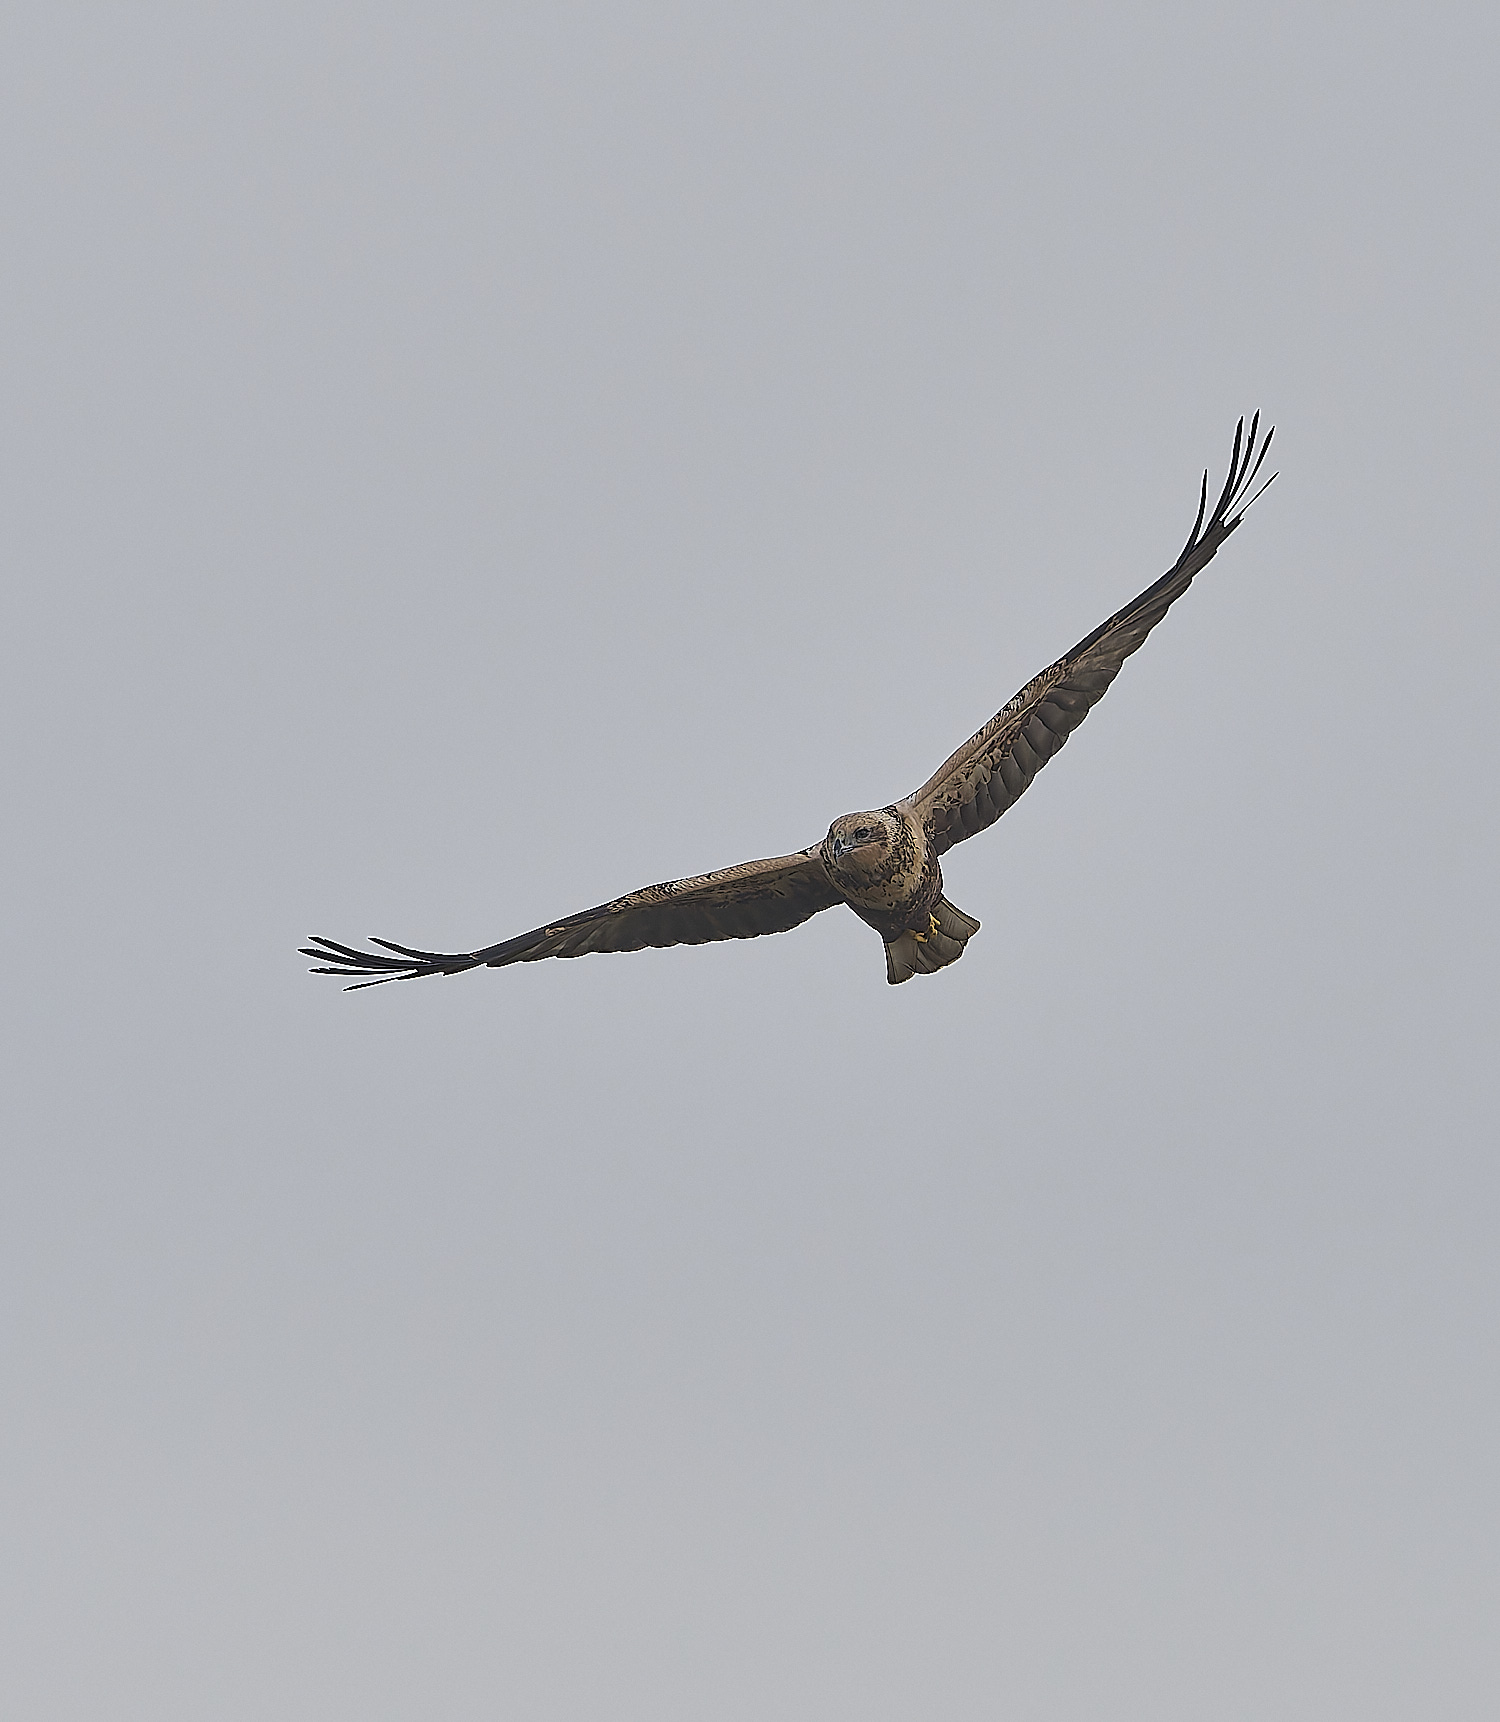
pixel 858 843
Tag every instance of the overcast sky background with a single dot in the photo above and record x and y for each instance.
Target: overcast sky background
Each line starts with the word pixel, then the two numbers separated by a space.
pixel 462 462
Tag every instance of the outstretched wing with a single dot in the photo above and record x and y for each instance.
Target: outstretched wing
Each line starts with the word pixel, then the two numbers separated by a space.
pixel 735 903
pixel 991 770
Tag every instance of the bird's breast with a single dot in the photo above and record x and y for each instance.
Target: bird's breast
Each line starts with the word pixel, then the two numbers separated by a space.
pixel 892 885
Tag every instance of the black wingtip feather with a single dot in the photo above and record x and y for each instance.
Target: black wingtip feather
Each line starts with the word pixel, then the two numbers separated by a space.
pixel 419 956
pixel 1226 495
pixel 405 965
pixel 1245 461
pixel 1210 529
pixel 1265 449
pixel 1202 510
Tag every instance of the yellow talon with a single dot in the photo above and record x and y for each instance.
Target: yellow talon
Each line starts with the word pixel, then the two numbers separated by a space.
pixel 932 927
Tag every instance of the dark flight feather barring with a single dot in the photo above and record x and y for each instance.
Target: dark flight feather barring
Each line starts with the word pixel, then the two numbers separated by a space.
pixel 882 864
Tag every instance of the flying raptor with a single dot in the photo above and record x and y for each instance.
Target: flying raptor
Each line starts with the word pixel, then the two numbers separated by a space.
pixel 884 864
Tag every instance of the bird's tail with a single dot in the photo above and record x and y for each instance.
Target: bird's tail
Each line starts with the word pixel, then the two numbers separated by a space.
pixel 943 944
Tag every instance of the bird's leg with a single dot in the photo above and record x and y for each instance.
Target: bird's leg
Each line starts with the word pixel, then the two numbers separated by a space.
pixel 932 927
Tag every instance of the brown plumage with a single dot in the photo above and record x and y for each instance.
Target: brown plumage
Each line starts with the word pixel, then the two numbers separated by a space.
pixel 883 864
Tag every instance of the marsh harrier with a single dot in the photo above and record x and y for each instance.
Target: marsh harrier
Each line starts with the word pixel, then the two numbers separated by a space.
pixel 882 864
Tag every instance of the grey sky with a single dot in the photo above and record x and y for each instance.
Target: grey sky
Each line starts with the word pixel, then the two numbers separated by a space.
pixel 464 462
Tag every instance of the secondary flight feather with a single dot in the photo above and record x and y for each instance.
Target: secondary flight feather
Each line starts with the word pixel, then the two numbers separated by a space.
pixel 882 864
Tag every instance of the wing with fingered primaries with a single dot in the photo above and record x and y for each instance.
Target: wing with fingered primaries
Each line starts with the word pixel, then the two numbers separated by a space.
pixel 993 769
pixel 735 903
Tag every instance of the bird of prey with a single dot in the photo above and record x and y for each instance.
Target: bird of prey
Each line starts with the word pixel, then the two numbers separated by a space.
pixel 882 864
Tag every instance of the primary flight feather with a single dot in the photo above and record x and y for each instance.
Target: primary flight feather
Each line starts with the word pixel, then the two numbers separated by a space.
pixel 883 864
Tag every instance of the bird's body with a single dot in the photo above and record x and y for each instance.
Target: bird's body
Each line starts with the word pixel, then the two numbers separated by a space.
pixel 885 864
pixel 885 867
